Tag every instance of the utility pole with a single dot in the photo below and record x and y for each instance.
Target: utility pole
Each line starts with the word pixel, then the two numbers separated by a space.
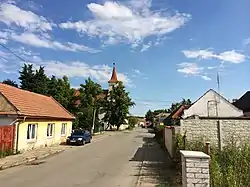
pixel 93 125
pixel 217 115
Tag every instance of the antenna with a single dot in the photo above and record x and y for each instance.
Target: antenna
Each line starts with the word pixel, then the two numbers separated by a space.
pixel 218 82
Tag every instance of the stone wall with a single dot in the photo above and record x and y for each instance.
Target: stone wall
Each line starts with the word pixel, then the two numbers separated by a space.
pixel 218 132
pixel 195 169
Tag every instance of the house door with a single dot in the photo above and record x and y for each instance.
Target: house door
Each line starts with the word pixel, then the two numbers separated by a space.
pixel 7 137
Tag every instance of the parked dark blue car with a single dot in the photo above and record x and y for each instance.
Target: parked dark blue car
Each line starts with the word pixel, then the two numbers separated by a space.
pixel 79 137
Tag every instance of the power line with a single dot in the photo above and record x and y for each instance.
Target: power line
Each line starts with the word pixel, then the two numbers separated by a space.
pixel 17 56
pixel 8 49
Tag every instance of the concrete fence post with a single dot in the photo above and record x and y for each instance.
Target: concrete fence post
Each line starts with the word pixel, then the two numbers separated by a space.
pixel 219 130
pixel 195 169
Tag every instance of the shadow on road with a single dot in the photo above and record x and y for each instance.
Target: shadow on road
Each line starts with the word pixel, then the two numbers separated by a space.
pixel 156 166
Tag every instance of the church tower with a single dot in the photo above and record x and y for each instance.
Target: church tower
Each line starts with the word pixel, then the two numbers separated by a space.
pixel 113 80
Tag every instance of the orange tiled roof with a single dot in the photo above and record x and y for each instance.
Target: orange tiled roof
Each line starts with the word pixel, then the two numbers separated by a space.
pixel 33 105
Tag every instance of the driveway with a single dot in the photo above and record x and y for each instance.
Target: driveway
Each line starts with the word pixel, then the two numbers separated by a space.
pixel 124 159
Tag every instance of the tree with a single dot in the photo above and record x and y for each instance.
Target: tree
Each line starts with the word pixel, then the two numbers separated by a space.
pixel 149 116
pixel 90 104
pixel 10 82
pixel 59 89
pixel 27 77
pixel 41 82
pixel 132 121
pixel 174 106
pixel 116 105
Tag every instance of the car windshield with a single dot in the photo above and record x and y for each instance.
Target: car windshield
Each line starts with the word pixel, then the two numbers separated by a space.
pixel 77 133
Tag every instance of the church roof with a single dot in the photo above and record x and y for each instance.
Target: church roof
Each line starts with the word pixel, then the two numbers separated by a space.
pixel 114 76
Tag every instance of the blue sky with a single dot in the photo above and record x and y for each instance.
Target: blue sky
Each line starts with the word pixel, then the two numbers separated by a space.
pixel 164 50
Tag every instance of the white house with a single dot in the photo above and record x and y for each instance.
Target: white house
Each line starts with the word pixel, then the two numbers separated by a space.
pixel 212 104
pixel 213 118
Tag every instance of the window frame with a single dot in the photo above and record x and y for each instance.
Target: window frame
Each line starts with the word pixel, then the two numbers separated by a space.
pixel 51 130
pixel 65 129
pixel 35 125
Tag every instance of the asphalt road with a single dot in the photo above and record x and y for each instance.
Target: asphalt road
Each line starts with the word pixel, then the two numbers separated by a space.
pixel 115 160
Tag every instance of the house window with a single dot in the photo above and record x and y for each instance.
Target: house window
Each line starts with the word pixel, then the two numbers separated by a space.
pixel 50 129
pixel 63 129
pixel 31 131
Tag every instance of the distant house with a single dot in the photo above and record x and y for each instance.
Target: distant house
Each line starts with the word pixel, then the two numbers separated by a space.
pixel 211 104
pixel 36 120
pixel 159 118
pixel 174 117
pixel 243 103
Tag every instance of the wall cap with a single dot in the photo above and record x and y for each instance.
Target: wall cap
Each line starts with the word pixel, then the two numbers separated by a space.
pixel 194 154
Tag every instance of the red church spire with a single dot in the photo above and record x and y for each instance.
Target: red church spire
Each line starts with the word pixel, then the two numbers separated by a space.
pixel 114 76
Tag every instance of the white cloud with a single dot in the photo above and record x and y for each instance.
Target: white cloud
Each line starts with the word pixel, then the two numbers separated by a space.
pixel 211 67
pixel 203 54
pixel 189 68
pixel 232 56
pixel 36 40
pixel 246 41
pixel 137 71
pixel 119 23
pixel 145 47
pixel 3 41
pixel 227 56
pixel 192 69
pixel 205 77
pixel 10 14
pixel 100 73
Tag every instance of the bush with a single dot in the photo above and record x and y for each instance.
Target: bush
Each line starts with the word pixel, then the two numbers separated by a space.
pixel 228 168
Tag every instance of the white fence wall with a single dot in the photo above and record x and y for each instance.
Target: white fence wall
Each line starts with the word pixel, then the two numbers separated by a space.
pixel 218 132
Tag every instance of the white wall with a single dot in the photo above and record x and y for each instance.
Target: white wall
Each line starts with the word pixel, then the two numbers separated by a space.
pixel 6 120
pixel 169 138
pixel 206 106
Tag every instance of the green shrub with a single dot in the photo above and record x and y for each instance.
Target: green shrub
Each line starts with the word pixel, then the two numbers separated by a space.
pixel 228 168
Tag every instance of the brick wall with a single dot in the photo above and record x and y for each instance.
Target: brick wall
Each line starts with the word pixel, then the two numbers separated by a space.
pixel 195 169
pixel 216 131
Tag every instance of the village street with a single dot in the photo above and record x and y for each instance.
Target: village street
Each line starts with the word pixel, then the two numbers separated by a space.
pixel 121 159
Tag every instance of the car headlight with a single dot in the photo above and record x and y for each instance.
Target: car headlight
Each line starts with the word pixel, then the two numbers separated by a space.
pixel 80 139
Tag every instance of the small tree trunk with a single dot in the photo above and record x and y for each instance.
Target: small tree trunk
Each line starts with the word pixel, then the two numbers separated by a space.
pixel 117 127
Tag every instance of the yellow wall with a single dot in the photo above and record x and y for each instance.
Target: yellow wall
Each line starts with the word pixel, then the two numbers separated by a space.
pixel 41 139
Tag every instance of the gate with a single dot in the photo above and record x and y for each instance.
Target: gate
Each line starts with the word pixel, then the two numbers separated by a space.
pixel 7 135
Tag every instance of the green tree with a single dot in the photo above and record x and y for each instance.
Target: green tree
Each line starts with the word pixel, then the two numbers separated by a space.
pixel 149 116
pixel 41 82
pixel 116 105
pixel 34 81
pixel 59 89
pixel 132 121
pixel 27 77
pixel 90 104
pixel 174 106
pixel 10 82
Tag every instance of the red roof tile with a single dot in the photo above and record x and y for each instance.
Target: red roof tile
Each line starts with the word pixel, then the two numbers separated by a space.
pixel 32 104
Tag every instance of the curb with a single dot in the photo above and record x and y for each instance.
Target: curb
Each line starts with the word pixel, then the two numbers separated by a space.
pixel 29 160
